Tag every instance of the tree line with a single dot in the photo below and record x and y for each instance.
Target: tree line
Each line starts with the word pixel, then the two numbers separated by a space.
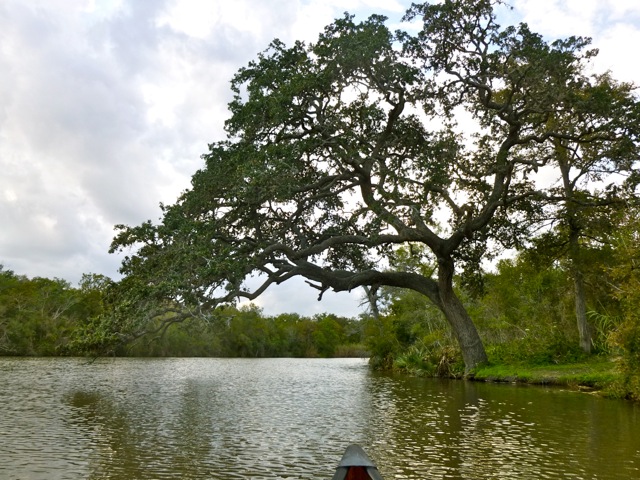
pixel 50 317
pixel 39 316
pixel 524 309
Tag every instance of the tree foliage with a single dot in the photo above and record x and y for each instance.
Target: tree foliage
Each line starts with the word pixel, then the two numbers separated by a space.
pixel 38 316
pixel 340 151
pixel 595 179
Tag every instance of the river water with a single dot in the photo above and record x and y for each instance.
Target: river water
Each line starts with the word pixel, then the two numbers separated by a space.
pixel 292 419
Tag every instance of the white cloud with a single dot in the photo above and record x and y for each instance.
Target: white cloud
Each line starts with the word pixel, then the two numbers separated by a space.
pixel 616 47
pixel 296 295
pixel 555 18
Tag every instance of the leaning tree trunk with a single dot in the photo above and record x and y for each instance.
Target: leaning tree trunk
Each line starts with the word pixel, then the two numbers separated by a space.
pixel 463 327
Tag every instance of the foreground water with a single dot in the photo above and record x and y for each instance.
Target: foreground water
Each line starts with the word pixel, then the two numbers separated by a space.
pixel 292 419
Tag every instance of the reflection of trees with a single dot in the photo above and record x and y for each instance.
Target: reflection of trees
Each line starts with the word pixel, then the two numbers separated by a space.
pixel 440 429
pixel 137 443
pixel 111 440
pixel 495 441
pixel 272 418
pixel 228 419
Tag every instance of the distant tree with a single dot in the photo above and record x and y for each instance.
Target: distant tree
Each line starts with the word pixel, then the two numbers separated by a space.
pixel 293 338
pixel 596 173
pixel 36 315
pixel 328 335
pixel 525 311
pixel 8 283
pixel 341 151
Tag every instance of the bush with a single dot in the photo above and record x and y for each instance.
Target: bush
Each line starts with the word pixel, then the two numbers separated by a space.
pixel 435 360
pixel 627 338
pixel 553 348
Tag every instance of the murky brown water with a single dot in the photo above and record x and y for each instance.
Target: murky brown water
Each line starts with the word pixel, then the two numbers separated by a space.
pixel 292 419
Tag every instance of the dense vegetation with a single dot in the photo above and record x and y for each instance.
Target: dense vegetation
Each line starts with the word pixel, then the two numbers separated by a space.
pixel 525 313
pixel 39 316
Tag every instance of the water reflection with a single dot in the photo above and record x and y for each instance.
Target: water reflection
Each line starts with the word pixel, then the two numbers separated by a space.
pixel 286 419
pixel 440 429
pixel 240 419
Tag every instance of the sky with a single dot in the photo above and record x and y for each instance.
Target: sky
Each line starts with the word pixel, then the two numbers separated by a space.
pixel 107 105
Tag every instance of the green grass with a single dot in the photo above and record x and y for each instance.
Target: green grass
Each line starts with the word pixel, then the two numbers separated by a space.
pixel 595 373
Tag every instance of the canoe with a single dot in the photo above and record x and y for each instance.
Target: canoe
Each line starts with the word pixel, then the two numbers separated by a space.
pixel 356 465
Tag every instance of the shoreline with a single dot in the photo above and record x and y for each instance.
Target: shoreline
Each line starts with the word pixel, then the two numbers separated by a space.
pixel 597 375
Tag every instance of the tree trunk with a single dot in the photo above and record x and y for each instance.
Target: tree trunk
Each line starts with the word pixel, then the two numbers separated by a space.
pixel 372 298
pixel 572 221
pixel 463 327
pixel 578 284
pixel 581 312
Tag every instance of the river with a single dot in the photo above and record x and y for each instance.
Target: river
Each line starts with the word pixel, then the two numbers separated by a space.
pixel 292 419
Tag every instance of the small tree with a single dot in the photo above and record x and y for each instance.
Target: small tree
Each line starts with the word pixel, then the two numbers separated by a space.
pixel 340 151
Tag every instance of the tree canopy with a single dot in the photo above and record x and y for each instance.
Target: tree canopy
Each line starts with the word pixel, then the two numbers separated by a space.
pixel 341 151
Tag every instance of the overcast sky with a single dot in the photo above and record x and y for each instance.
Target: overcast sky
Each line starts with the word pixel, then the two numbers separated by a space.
pixel 107 105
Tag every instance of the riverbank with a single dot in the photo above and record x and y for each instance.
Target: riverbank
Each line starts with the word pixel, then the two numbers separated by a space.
pixel 595 375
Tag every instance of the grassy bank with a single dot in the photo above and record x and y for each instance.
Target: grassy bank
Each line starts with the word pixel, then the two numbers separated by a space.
pixel 595 374
pixel 554 363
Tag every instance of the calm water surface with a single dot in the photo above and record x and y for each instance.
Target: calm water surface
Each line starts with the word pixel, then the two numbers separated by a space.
pixel 292 419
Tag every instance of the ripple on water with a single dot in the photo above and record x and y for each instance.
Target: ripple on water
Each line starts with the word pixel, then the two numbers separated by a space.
pixel 285 418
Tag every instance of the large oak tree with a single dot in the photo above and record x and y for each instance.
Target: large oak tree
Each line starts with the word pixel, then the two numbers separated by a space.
pixel 340 151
